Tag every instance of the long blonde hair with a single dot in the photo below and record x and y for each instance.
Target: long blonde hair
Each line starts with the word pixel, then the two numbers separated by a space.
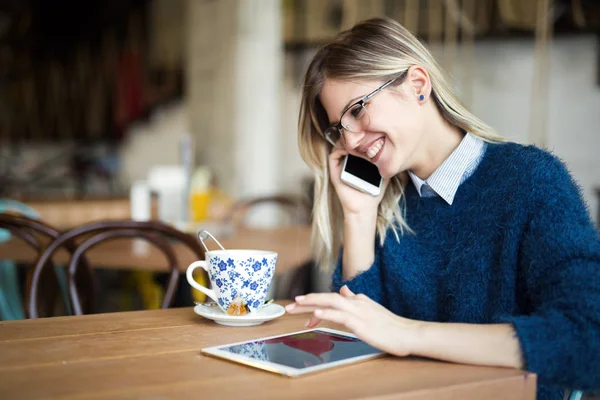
pixel 378 49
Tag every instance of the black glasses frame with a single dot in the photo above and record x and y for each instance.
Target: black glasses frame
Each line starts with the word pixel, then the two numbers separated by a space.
pixel 362 102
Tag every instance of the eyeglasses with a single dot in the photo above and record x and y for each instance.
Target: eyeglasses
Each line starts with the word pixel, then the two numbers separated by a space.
pixel 354 118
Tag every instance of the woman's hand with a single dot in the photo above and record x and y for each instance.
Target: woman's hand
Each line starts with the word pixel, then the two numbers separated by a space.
pixel 353 201
pixel 368 320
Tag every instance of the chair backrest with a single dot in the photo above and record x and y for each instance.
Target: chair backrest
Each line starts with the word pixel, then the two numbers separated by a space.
pixel 20 223
pixel 298 211
pixel 94 233
pixel 37 234
pixel 296 208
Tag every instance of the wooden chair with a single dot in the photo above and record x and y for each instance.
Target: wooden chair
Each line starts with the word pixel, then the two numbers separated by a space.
pixel 297 211
pixel 37 234
pixel 92 234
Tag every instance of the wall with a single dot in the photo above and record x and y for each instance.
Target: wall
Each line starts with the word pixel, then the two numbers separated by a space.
pixel 293 170
pixel 167 33
pixel 503 98
pixel 234 62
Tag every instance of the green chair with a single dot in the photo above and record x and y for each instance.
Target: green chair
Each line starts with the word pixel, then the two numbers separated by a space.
pixel 11 304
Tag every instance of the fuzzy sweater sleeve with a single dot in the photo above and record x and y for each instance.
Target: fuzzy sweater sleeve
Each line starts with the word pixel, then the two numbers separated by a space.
pixel 560 263
pixel 368 282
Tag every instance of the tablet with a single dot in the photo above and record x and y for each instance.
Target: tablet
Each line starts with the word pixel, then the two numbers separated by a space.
pixel 298 353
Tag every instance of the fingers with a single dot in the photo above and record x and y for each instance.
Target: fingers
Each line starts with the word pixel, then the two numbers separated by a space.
pixel 337 308
pixel 312 322
pixel 337 153
pixel 336 316
pixel 325 300
pixel 309 303
pixel 346 292
pixel 336 158
pixel 294 308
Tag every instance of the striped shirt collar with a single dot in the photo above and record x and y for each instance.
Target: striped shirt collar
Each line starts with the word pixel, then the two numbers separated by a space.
pixel 446 179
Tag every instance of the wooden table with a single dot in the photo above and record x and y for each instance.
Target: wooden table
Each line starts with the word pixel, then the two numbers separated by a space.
pixel 156 354
pixel 291 243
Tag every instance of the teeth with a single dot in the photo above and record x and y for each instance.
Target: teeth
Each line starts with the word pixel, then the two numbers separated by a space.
pixel 374 149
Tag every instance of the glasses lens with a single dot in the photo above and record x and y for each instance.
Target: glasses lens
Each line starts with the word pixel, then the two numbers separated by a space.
pixel 333 136
pixel 355 118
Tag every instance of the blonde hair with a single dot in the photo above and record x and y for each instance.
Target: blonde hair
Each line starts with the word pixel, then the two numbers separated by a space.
pixel 378 49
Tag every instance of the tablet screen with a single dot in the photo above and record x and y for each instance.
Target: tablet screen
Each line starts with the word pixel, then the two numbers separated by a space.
pixel 303 349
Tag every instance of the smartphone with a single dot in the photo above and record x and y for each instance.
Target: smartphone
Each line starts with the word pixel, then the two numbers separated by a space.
pixel 362 175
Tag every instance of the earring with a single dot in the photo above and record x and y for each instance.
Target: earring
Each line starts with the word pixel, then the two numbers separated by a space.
pixel 421 97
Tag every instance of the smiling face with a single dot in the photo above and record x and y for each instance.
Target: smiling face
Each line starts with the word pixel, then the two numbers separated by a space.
pixel 396 125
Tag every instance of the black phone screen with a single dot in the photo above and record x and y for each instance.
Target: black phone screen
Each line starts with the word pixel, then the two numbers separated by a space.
pixel 363 169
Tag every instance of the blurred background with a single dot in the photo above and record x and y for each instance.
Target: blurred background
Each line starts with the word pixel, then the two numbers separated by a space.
pixel 98 95
pixel 185 112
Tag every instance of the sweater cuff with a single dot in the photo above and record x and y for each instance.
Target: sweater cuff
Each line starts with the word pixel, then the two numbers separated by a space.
pixel 547 349
pixel 361 283
pixel 527 332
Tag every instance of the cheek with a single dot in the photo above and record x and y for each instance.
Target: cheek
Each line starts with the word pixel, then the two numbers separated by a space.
pixel 406 127
pixel 398 118
pixel 404 132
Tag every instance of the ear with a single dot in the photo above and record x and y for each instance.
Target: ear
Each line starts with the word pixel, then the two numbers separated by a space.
pixel 419 83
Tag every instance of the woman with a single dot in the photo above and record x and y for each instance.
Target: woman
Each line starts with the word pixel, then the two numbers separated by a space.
pixel 478 250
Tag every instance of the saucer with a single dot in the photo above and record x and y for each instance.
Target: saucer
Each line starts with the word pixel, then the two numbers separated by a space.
pixel 267 313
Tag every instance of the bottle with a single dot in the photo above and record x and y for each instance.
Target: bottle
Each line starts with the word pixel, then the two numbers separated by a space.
pixel 200 194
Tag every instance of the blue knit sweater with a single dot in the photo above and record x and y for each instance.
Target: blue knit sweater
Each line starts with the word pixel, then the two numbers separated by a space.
pixel 516 246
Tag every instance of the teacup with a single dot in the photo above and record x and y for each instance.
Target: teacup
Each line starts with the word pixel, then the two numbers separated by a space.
pixel 240 279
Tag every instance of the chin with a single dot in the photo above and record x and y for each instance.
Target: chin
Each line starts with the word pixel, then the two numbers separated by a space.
pixel 385 173
pixel 388 170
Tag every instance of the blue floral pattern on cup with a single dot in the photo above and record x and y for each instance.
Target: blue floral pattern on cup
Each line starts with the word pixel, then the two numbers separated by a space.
pixel 241 275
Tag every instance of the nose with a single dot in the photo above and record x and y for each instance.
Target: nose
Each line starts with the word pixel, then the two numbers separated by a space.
pixel 353 139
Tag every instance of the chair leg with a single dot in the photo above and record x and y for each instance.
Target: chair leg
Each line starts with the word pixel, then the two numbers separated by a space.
pixel 61 277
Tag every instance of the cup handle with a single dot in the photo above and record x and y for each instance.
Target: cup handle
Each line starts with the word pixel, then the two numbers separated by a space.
pixel 190 278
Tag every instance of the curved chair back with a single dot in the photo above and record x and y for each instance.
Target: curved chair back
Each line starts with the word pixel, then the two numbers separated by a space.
pixel 94 233
pixel 36 234
pixel 296 209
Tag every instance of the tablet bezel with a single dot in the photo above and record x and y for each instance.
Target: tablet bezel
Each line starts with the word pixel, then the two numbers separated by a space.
pixel 269 366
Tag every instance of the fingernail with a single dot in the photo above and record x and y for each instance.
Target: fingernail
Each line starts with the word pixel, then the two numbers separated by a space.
pixel 290 307
pixel 299 298
pixel 307 324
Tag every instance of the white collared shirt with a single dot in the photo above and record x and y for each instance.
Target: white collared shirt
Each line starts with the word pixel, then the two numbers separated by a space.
pixel 459 166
